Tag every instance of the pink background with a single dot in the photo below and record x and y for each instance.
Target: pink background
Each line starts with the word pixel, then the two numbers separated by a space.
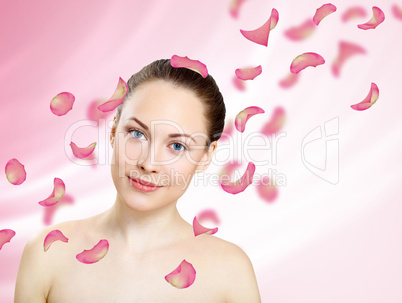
pixel 318 241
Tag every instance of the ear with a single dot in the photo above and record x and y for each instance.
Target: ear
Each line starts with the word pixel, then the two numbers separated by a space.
pixel 113 132
pixel 207 157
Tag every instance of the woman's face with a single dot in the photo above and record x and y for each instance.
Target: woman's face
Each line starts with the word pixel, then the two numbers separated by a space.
pixel 160 138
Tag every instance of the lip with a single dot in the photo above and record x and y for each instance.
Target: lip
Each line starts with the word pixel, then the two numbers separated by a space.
pixel 143 185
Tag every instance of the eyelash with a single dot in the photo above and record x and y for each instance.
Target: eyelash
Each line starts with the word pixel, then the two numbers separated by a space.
pixel 137 130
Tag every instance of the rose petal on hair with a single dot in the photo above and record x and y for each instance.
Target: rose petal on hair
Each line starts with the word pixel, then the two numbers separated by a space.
pixel 235 7
pixel 54 235
pixel 289 80
pixel 397 11
pixel 302 31
pixel 59 189
pixel 186 62
pixel 15 172
pixel 353 12
pixel 371 98
pixel 239 84
pixel 94 254
pixel 275 123
pixel 248 73
pixel 267 190
pixel 242 183
pixel 117 98
pixel 305 60
pixel 261 34
pixel 208 214
pixel 49 211
pixel 183 276
pixel 322 12
pixel 62 103
pixel 5 236
pixel 244 115
pixel 377 18
pixel 199 229
pixel 346 50
pixel 82 152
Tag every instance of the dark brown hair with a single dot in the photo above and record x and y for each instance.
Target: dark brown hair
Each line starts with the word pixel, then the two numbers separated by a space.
pixel 205 88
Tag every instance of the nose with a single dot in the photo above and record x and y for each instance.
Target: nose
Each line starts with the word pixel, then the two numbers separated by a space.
pixel 148 161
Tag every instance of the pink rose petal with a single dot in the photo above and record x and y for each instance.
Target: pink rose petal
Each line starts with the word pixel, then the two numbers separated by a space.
pixel 276 122
pixel 49 211
pixel 261 34
pixel 228 169
pixel 322 12
pixel 82 152
pixel 377 18
pixel 54 235
pixel 5 236
pixel 94 254
pixel 289 81
pixel 59 189
pixel 305 60
pixel 194 65
pixel 235 7
pixel 199 229
pixel 371 98
pixel 244 115
pixel 208 215
pixel 302 31
pixel 117 98
pixel 62 103
pixel 93 113
pixel 15 172
pixel 267 190
pixel 397 11
pixel 183 276
pixel 239 84
pixel 353 12
pixel 346 50
pixel 248 73
pixel 242 183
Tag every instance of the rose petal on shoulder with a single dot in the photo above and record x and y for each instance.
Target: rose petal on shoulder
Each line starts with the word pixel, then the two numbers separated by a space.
pixel 322 12
pixel 276 122
pixel 242 183
pixel 94 254
pixel 305 60
pixel 117 98
pixel 62 103
pixel 186 62
pixel 353 12
pixel 199 229
pixel 346 50
pixel 82 152
pixel 377 18
pixel 248 73
pixel 302 31
pixel 5 236
pixel 15 172
pixel 59 190
pixel 52 236
pixel 208 214
pixel 261 34
pixel 183 276
pixel 243 116
pixel 370 99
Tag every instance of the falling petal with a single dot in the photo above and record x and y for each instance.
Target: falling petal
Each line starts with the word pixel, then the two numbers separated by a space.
pixel 82 152
pixel 49 211
pixel 208 214
pixel 15 172
pixel 377 19
pixel 235 7
pixel 397 11
pixel 54 235
pixel 244 115
pixel 261 34
pixel 93 113
pixel 94 254
pixel 248 73
pixel 62 103
pixel 346 50
pixel 267 190
pixel 301 32
pixel 5 236
pixel 305 60
pixel 276 122
pixel 194 65
pixel 353 12
pixel 117 98
pixel 242 183
pixel 183 276
pixel 289 81
pixel 239 84
pixel 227 131
pixel 228 169
pixel 59 189
pixel 322 12
pixel 199 229
pixel 371 98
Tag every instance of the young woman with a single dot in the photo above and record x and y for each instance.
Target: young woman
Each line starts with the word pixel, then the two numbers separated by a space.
pixel 165 131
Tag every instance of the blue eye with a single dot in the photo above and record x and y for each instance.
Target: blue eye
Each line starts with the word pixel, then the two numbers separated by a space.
pixel 178 145
pixel 136 133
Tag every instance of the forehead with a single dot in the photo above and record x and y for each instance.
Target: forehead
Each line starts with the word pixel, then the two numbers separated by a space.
pixel 169 107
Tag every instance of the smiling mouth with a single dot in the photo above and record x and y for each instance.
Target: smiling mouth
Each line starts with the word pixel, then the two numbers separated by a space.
pixel 143 185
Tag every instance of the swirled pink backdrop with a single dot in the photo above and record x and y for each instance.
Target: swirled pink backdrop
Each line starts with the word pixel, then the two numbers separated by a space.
pixel 333 232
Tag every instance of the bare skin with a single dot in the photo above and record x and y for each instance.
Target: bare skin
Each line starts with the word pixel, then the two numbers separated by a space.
pixel 147 236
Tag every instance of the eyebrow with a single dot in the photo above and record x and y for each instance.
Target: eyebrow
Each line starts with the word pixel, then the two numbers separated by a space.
pixel 170 135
